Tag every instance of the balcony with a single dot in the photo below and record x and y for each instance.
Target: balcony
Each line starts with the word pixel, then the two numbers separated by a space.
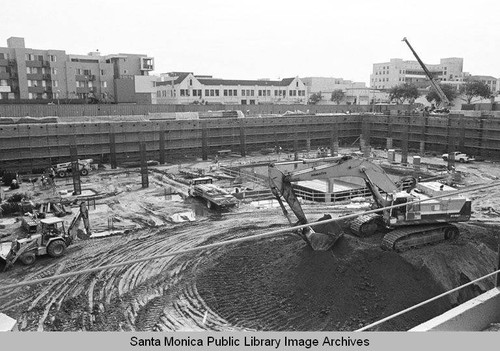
pixel 36 90
pixel 47 77
pixel 46 64
pixel 5 89
pixel 48 89
pixel 34 63
pixel 4 75
pixel 85 78
pixel 4 62
pixel 34 76
pixel 85 90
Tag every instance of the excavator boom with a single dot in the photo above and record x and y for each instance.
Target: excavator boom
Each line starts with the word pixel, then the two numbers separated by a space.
pixel 343 166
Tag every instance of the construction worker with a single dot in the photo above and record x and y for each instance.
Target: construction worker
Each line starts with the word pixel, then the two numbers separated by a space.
pixel 14 184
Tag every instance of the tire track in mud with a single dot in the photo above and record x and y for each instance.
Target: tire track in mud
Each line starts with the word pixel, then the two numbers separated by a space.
pixel 155 295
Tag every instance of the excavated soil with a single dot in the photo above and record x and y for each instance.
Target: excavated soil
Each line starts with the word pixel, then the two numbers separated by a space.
pixel 283 285
pixel 271 284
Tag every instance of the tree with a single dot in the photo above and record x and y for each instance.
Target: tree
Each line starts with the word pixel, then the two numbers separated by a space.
pixel 315 98
pixel 403 92
pixel 337 96
pixel 474 88
pixel 448 90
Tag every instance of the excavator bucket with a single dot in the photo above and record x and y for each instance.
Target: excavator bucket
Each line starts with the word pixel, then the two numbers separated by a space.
pixel 325 236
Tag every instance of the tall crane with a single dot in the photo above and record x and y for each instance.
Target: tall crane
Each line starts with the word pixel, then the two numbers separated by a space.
pixel 444 100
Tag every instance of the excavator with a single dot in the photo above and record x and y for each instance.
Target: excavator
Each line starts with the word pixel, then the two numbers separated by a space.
pixel 410 226
pixel 52 240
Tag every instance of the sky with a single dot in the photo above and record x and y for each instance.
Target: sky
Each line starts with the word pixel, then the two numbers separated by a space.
pixel 264 38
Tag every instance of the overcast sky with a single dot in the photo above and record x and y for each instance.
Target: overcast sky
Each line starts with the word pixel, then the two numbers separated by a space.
pixel 264 38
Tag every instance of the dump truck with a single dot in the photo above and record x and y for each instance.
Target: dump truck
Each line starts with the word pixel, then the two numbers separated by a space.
pixel 410 226
pixel 52 240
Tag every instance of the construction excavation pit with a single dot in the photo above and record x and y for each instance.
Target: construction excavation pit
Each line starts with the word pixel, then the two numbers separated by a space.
pixel 269 283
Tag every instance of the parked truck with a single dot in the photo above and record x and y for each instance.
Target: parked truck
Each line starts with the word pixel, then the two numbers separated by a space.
pixel 213 196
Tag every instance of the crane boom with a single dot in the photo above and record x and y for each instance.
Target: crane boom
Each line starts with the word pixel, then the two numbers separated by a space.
pixel 436 86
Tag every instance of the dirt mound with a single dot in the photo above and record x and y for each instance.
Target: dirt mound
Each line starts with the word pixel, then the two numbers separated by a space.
pixel 284 285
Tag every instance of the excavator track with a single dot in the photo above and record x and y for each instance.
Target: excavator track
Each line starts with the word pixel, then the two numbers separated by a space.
pixel 366 225
pixel 406 238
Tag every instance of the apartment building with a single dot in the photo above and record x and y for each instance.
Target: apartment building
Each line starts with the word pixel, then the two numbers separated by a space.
pixel 47 75
pixel 397 71
pixel 187 88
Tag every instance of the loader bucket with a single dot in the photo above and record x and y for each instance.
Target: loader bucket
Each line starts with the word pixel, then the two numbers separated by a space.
pixel 5 256
pixel 324 236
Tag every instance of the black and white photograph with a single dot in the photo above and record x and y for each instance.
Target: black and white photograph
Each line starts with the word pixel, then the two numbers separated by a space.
pixel 250 175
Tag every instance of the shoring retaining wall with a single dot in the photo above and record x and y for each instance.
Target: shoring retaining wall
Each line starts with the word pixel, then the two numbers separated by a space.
pixel 28 146
pixel 474 134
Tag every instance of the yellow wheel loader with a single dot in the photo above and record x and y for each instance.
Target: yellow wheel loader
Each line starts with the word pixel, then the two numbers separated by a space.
pixel 52 240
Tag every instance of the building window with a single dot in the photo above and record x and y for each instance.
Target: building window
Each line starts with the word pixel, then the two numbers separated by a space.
pixel 104 84
pixel 243 94
pixel 102 72
pixel 216 92
pixel 260 92
pixel 235 92
pixel 55 83
pixel 158 93
pixel 52 58
pixel 182 92
pixel 225 92
pixel 30 96
pixel 190 82
pixel 212 92
pixel 230 92
pixel 252 93
pixel 206 92
pixel 275 93
pixel 53 70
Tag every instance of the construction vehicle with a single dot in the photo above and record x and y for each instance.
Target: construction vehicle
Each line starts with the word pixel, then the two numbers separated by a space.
pixel 445 102
pixel 409 226
pixel 52 240
pixel 62 170
pixel 213 196
pixel 459 156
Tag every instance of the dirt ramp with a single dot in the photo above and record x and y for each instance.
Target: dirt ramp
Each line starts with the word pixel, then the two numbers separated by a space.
pixel 283 285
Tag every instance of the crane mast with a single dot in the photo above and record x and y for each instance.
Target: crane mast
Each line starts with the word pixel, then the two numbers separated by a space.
pixel 436 86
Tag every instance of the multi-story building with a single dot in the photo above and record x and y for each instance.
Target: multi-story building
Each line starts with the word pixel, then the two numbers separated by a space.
pixel 47 75
pixel 187 88
pixel 389 74
pixel 490 81
pixel 355 92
